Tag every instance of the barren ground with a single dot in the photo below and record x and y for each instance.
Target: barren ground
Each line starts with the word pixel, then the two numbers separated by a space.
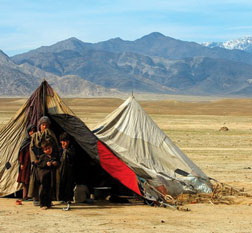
pixel 194 127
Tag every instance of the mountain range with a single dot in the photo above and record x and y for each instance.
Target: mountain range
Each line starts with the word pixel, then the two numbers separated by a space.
pixel 244 44
pixel 152 64
pixel 22 80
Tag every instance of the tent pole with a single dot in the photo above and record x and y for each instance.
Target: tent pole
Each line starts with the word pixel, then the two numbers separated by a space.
pixel 44 99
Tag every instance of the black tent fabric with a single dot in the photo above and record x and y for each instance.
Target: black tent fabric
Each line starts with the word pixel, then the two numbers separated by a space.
pixel 45 101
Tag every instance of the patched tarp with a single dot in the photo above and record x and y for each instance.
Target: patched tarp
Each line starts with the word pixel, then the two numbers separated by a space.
pixel 45 101
pixel 137 140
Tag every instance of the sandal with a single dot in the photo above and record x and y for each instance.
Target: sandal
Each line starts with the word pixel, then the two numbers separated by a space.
pixel 18 202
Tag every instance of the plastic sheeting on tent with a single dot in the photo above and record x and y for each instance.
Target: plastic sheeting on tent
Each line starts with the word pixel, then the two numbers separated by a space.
pixel 136 139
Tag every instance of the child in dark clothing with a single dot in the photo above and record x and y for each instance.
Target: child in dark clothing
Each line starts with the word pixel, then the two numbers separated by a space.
pixel 25 162
pixel 44 133
pixel 66 168
pixel 46 171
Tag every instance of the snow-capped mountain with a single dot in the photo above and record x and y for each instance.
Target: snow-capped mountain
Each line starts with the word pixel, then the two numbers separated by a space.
pixel 244 43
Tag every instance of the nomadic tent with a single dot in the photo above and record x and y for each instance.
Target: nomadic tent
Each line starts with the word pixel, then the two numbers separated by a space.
pixel 135 138
pixel 45 101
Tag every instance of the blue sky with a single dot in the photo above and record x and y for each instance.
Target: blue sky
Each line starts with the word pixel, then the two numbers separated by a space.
pixel 29 24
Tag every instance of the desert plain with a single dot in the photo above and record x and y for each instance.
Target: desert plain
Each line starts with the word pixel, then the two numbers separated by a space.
pixel 194 126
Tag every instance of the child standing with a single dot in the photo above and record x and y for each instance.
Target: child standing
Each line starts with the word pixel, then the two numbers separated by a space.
pixel 46 172
pixel 44 133
pixel 25 162
pixel 66 168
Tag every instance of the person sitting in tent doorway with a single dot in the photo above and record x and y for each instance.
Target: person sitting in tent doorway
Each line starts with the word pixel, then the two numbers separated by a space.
pixel 47 164
pixel 66 168
pixel 44 133
pixel 25 162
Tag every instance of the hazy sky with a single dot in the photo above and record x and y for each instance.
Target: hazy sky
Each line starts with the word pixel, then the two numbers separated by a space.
pixel 29 24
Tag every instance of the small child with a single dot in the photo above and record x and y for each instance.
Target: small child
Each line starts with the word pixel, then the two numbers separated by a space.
pixel 25 162
pixel 44 133
pixel 46 171
pixel 66 168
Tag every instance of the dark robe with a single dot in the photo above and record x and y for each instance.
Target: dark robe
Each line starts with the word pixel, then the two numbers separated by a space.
pixel 35 153
pixel 37 138
pixel 67 174
pixel 24 159
pixel 47 179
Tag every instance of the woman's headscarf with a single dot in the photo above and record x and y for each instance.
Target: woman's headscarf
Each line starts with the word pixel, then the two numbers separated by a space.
pixel 44 119
pixel 27 139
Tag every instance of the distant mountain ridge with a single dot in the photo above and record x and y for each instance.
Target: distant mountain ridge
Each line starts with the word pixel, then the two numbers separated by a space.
pixel 22 80
pixel 243 44
pixel 153 64
pixel 154 44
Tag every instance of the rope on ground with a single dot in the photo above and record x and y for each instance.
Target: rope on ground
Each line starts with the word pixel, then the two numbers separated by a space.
pixel 222 194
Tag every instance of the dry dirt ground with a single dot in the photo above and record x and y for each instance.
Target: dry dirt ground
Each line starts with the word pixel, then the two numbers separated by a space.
pixel 194 127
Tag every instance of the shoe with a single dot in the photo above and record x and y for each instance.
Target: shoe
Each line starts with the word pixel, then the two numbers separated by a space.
pixel 36 203
pixel 43 207
pixel 18 202
pixel 26 199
